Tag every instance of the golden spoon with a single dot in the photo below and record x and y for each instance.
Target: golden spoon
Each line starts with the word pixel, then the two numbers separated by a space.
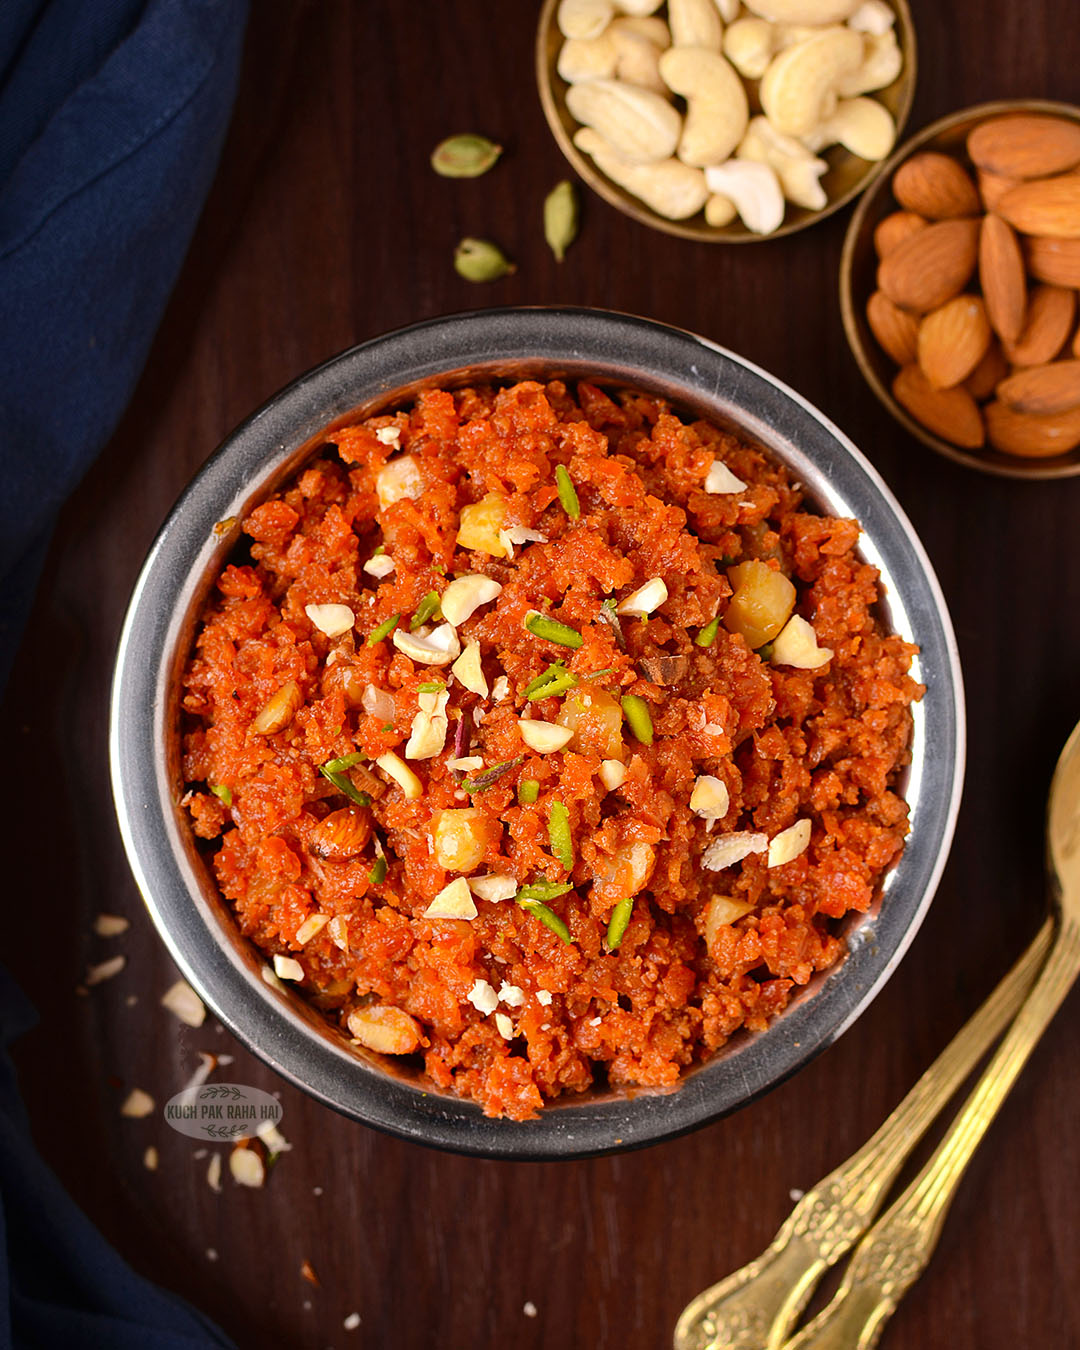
pixel 755 1307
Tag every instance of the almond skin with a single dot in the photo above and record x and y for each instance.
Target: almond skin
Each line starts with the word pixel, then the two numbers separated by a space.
pixel 895 329
pixel 988 374
pixel 894 229
pixel 935 186
pixel 993 186
pixel 931 266
pixel 1056 261
pixel 1048 207
pixel 1025 145
pixel 1001 275
pixel 1049 321
pixel 342 834
pixel 1034 437
pixel 948 413
pixel 953 340
pixel 1054 388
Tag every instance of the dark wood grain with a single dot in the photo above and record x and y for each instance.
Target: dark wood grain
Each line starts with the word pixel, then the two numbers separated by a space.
pixel 326 227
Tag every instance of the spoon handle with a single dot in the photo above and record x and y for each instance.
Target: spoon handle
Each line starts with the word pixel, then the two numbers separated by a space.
pixel 756 1306
pixel 897 1249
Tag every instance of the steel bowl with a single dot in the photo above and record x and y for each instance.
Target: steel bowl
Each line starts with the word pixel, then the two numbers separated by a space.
pixel 858 270
pixel 847 175
pixel 197 925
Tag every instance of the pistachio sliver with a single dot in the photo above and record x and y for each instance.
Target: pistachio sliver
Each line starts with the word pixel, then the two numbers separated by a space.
pixel 465 156
pixel 428 608
pixel 481 260
pixel 548 918
pixel 567 492
pixel 638 718
pixel 562 842
pixel 561 218
pixel 543 626
pixel 620 919
pixel 528 791
pixel 707 635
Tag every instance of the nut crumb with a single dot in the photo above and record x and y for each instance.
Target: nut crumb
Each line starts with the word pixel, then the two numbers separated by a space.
pixel 137 1104
pixel 529 1309
pixel 110 925
pixel 351 1322
pixel 105 970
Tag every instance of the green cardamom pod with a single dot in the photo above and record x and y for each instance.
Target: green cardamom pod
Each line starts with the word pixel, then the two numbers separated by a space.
pixel 481 260
pixel 561 218
pixel 465 156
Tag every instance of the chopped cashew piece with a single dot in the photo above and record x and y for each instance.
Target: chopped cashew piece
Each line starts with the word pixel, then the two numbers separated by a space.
pixel 639 124
pixel 789 843
pixel 722 910
pixel 799 88
pixel 111 925
pixel 495 887
pixel 428 734
pixel 137 1104
pixel 584 18
pixel 872 16
pixel 481 524
pixel 695 23
pixel 287 968
pixel 469 670
pixel 453 902
pixel 505 1026
pixel 311 927
pixel 670 188
pixel 587 58
pixel 246 1167
pixel 710 798
pixel 466 764
pixel 389 436
pixel 380 566
pixel 882 62
pixel 799 171
pixel 402 775
pixel 543 997
pixel 754 189
pixel 796 645
pixel 716 106
pixel 719 210
pixel 385 1029
pixel 612 773
pixel 511 994
pixel 543 737
pixel 732 848
pixel 437 648
pixel 861 125
pixel 645 599
pixel 105 970
pixel 183 1002
pixel 333 620
pixel 398 479
pixel 812 12
pixel 378 703
pixel 721 480
pixel 483 998
pixel 464 596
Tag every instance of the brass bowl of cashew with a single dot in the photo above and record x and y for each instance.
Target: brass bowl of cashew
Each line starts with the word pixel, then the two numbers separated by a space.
pixel 722 121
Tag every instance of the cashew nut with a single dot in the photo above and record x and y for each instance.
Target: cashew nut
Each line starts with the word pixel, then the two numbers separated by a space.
pixel 584 18
pixel 716 108
pixel 719 210
pixel 729 10
pixel 881 64
pixel 798 170
pixel 636 58
pixel 695 23
pixel 872 16
pixel 588 58
pixel 749 45
pixel 638 8
pixel 755 190
pixel 861 125
pixel 656 30
pixel 640 125
pixel 799 86
pixel 813 12
pixel 671 189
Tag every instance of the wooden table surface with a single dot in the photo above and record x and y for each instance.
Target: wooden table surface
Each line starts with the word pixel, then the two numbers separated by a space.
pixel 326 227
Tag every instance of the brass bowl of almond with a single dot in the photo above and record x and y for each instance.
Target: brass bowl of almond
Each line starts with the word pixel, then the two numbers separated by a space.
pixel 726 122
pixel 958 287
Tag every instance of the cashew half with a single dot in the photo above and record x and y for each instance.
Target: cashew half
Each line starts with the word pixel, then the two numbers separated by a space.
pixel 872 16
pixel 656 30
pixel 798 170
pixel 695 23
pixel 636 58
pixel 640 125
pixel 882 62
pixel 755 190
pixel 671 189
pixel 716 107
pixel 861 125
pixel 584 18
pixel 813 12
pixel 588 58
pixel 751 43
pixel 798 89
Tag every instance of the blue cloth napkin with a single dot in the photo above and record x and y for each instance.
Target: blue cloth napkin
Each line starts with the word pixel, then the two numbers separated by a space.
pixel 112 115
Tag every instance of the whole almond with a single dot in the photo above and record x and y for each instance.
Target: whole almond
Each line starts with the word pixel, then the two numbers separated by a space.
pixel 342 834
pixel 953 340
pixel 1056 261
pixel 948 413
pixel 931 266
pixel 1024 145
pixel 993 186
pixel 935 186
pixel 894 229
pixel 1052 388
pixel 1001 275
pixel 988 374
pixel 1035 437
pixel 1049 321
pixel 895 329
pixel 1048 207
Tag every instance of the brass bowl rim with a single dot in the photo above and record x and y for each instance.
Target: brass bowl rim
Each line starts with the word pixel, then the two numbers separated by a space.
pixel 703 233
pixel 1004 466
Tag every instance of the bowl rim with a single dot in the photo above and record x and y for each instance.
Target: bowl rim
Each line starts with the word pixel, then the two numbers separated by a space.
pixel 701 232
pixel 618 349
pixel 987 460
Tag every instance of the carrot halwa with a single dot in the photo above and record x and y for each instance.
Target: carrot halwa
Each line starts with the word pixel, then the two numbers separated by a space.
pixel 547 737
